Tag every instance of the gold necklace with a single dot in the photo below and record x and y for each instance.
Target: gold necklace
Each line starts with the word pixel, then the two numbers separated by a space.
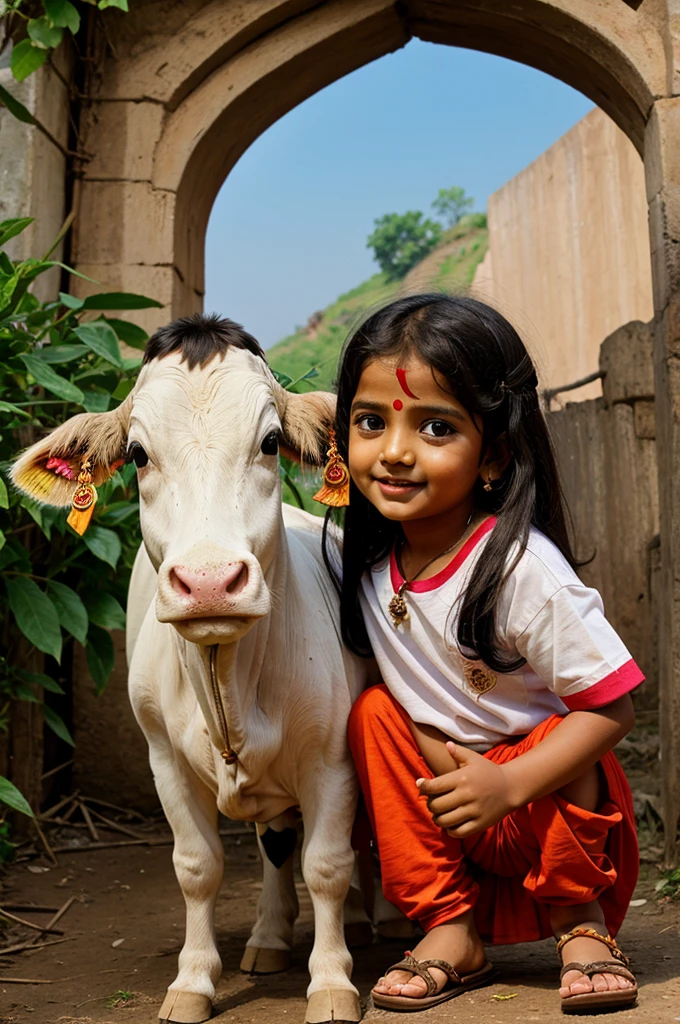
pixel 397 606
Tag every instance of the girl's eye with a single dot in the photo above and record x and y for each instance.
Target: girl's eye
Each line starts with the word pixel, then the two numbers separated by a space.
pixel 270 445
pixel 370 422
pixel 136 454
pixel 438 428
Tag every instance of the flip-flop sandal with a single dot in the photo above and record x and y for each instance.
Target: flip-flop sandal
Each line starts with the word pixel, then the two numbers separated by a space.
pixel 599 1002
pixel 456 984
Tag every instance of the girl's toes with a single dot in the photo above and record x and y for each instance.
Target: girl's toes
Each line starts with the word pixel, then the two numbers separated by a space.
pixel 575 984
pixel 623 982
pixel 414 989
pixel 600 983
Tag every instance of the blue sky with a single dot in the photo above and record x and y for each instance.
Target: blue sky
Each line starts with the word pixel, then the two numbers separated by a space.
pixel 288 229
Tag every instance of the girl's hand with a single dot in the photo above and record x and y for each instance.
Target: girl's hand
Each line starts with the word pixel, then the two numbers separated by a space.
pixel 470 799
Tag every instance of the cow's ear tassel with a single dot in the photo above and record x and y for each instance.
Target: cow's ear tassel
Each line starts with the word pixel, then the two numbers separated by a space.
pixel 335 489
pixel 84 499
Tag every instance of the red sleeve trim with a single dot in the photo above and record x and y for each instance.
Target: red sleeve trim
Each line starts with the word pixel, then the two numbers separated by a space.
pixel 621 680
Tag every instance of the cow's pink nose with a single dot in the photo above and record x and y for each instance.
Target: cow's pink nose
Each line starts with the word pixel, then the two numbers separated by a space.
pixel 204 585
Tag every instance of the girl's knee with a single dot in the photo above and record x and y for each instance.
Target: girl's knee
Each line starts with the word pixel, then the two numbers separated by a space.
pixel 588 791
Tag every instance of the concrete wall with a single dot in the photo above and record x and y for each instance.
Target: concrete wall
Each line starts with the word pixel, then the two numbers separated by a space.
pixel 606 450
pixel 568 258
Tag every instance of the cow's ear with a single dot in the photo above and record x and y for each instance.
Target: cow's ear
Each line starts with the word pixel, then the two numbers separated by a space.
pixel 306 420
pixel 48 470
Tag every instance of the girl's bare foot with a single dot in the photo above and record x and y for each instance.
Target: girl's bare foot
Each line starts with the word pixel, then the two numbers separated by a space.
pixel 456 942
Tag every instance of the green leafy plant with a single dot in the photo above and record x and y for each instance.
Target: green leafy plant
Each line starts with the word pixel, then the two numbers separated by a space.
pixel 668 887
pixel 399 241
pixel 44 32
pixel 56 588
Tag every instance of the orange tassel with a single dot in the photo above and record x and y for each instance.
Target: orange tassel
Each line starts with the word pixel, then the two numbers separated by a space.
pixel 335 489
pixel 83 501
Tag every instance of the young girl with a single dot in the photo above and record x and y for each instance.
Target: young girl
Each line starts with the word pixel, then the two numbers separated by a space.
pixel 485 756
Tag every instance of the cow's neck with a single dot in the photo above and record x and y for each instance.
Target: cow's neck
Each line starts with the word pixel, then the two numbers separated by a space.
pixel 239 668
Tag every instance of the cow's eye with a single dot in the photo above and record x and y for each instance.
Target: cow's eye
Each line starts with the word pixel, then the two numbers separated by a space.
pixel 136 454
pixel 270 445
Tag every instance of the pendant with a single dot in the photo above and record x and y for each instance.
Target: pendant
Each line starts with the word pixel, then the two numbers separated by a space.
pixel 397 607
pixel 480 678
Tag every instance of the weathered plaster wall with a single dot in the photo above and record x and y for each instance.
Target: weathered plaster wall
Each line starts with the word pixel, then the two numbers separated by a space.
pixel 568 254
pixel 32 168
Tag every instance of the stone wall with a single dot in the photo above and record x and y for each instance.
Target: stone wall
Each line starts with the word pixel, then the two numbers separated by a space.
pixel 606 450
pixel 568 258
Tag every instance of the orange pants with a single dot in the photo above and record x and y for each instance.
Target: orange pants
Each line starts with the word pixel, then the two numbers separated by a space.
pixel 549 852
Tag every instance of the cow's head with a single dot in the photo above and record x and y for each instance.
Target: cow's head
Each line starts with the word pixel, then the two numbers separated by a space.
pixel 203 425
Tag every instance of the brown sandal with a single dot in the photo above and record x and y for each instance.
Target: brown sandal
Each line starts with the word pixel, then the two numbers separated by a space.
pixel 454 987
pixel 587 1002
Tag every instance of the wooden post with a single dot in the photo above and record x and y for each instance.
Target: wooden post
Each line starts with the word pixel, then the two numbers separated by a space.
pixel 662 172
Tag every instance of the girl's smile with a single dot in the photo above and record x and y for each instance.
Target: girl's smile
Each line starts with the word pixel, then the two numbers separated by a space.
pixel 414 450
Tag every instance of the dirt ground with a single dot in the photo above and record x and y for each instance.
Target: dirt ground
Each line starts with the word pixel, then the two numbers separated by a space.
pixel 124 931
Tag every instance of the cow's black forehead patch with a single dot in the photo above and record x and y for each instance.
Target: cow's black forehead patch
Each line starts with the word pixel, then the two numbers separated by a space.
pixel 199 339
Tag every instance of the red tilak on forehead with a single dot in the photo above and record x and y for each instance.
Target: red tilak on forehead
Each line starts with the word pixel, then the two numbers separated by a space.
pixel 401 377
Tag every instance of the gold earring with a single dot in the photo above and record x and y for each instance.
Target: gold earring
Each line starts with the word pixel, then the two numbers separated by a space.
pixel 335 489
pixel 84 499
pixel 487 486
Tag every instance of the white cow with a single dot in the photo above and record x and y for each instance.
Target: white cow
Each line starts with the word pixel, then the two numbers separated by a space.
pixel 238 677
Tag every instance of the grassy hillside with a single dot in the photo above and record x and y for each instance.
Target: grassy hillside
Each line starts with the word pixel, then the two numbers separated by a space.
pixel 449 268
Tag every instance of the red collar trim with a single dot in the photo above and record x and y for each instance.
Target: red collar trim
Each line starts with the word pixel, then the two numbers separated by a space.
pixel 422 586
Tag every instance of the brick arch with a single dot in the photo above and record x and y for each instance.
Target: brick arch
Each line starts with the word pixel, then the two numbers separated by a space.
pixel 194 82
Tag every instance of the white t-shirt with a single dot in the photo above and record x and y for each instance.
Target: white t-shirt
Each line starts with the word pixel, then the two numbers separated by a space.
pixel 574 658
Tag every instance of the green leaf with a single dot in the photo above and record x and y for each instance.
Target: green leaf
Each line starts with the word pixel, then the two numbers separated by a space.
pixel 131 334
pixel 104 610
pixel 8 407
pixel 62 14
pixel 101 338
pixel 26 58
pixel 46 376
pixel 4 496
pixel 96 401
pixel 123 390
pixel 3 539
pixel 39 679
pixel 44 34
pixel 25 693
pixel 70 301
pixel 10 795
pixel 70 609
pixel 33 508
pixel 14 226
pixel 35 615
pixel 62 353
pixel 100 656
pixel 122 5
pixel 57 725
pixel 120 300
pixel 104 544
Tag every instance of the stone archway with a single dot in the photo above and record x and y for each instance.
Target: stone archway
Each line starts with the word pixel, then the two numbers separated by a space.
pixel 195 83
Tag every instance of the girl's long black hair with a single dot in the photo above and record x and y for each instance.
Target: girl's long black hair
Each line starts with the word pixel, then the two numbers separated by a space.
pixel 476 354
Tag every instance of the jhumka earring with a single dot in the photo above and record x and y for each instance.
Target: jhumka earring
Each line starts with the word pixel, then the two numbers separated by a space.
pixel 335 489
pixel 84 499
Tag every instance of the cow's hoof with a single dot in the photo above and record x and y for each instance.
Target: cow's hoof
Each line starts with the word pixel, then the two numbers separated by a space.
pixel 358 934
pixel 264 961
pixel 185 1008
pixel 400 928
pixel 333 1006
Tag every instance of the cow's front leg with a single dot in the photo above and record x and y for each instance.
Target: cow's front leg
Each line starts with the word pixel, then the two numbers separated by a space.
pixel 271 940
pixel 328 809
pixel 191 809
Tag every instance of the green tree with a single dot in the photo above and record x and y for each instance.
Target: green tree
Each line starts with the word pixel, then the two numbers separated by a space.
pixel 451 204
pixel 399 241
